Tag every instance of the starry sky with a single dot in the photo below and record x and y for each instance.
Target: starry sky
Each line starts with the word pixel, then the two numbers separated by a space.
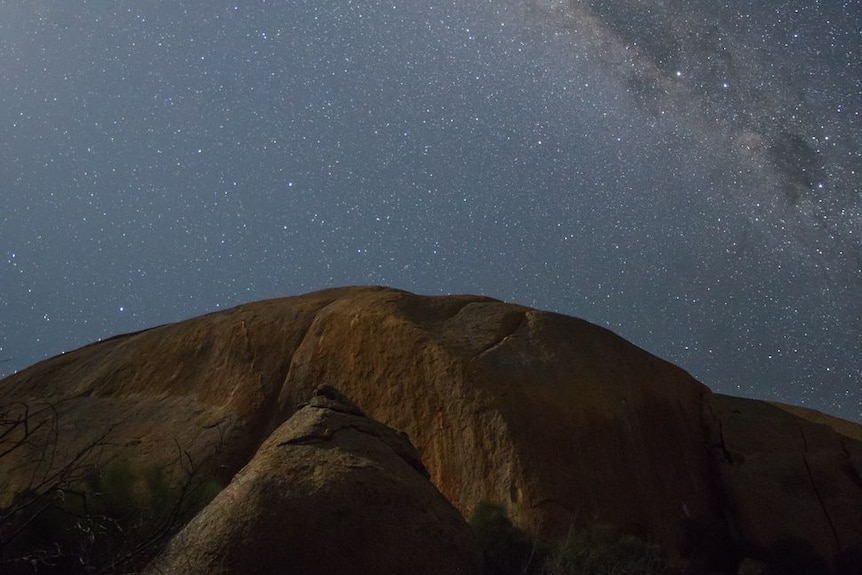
pixel 686 173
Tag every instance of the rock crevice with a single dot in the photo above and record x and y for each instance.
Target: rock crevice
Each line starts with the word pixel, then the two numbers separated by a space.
pixel 816 490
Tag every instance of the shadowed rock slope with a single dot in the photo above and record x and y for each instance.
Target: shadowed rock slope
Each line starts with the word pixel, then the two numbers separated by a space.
pixel 328 492
pixel 561 421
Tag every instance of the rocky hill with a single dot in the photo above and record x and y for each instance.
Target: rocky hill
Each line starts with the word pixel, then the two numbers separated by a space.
pixel 561 423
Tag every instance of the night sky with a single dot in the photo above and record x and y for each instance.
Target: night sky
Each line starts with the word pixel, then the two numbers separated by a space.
pixel 686 173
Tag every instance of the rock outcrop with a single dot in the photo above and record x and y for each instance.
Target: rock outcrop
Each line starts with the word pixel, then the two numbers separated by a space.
pixel 766 458
pixel 329 492
pixel 561 421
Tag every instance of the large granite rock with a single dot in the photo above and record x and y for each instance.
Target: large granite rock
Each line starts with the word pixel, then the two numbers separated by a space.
pixel 791 486
pixel 561 421
pixel 329 492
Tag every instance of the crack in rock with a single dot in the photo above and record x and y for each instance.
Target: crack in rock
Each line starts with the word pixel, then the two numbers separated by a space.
pixel 815 489
pixel 502 339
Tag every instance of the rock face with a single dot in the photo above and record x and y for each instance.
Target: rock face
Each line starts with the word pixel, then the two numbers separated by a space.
pixel 329 492
pixel 767 457
pixel 561 421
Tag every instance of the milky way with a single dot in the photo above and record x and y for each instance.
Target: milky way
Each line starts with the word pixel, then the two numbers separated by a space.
pixel 687 174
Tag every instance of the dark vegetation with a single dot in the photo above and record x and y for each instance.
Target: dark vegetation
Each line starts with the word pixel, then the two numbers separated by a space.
pixel 597 550
pixel 89 511
pixel 600 549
